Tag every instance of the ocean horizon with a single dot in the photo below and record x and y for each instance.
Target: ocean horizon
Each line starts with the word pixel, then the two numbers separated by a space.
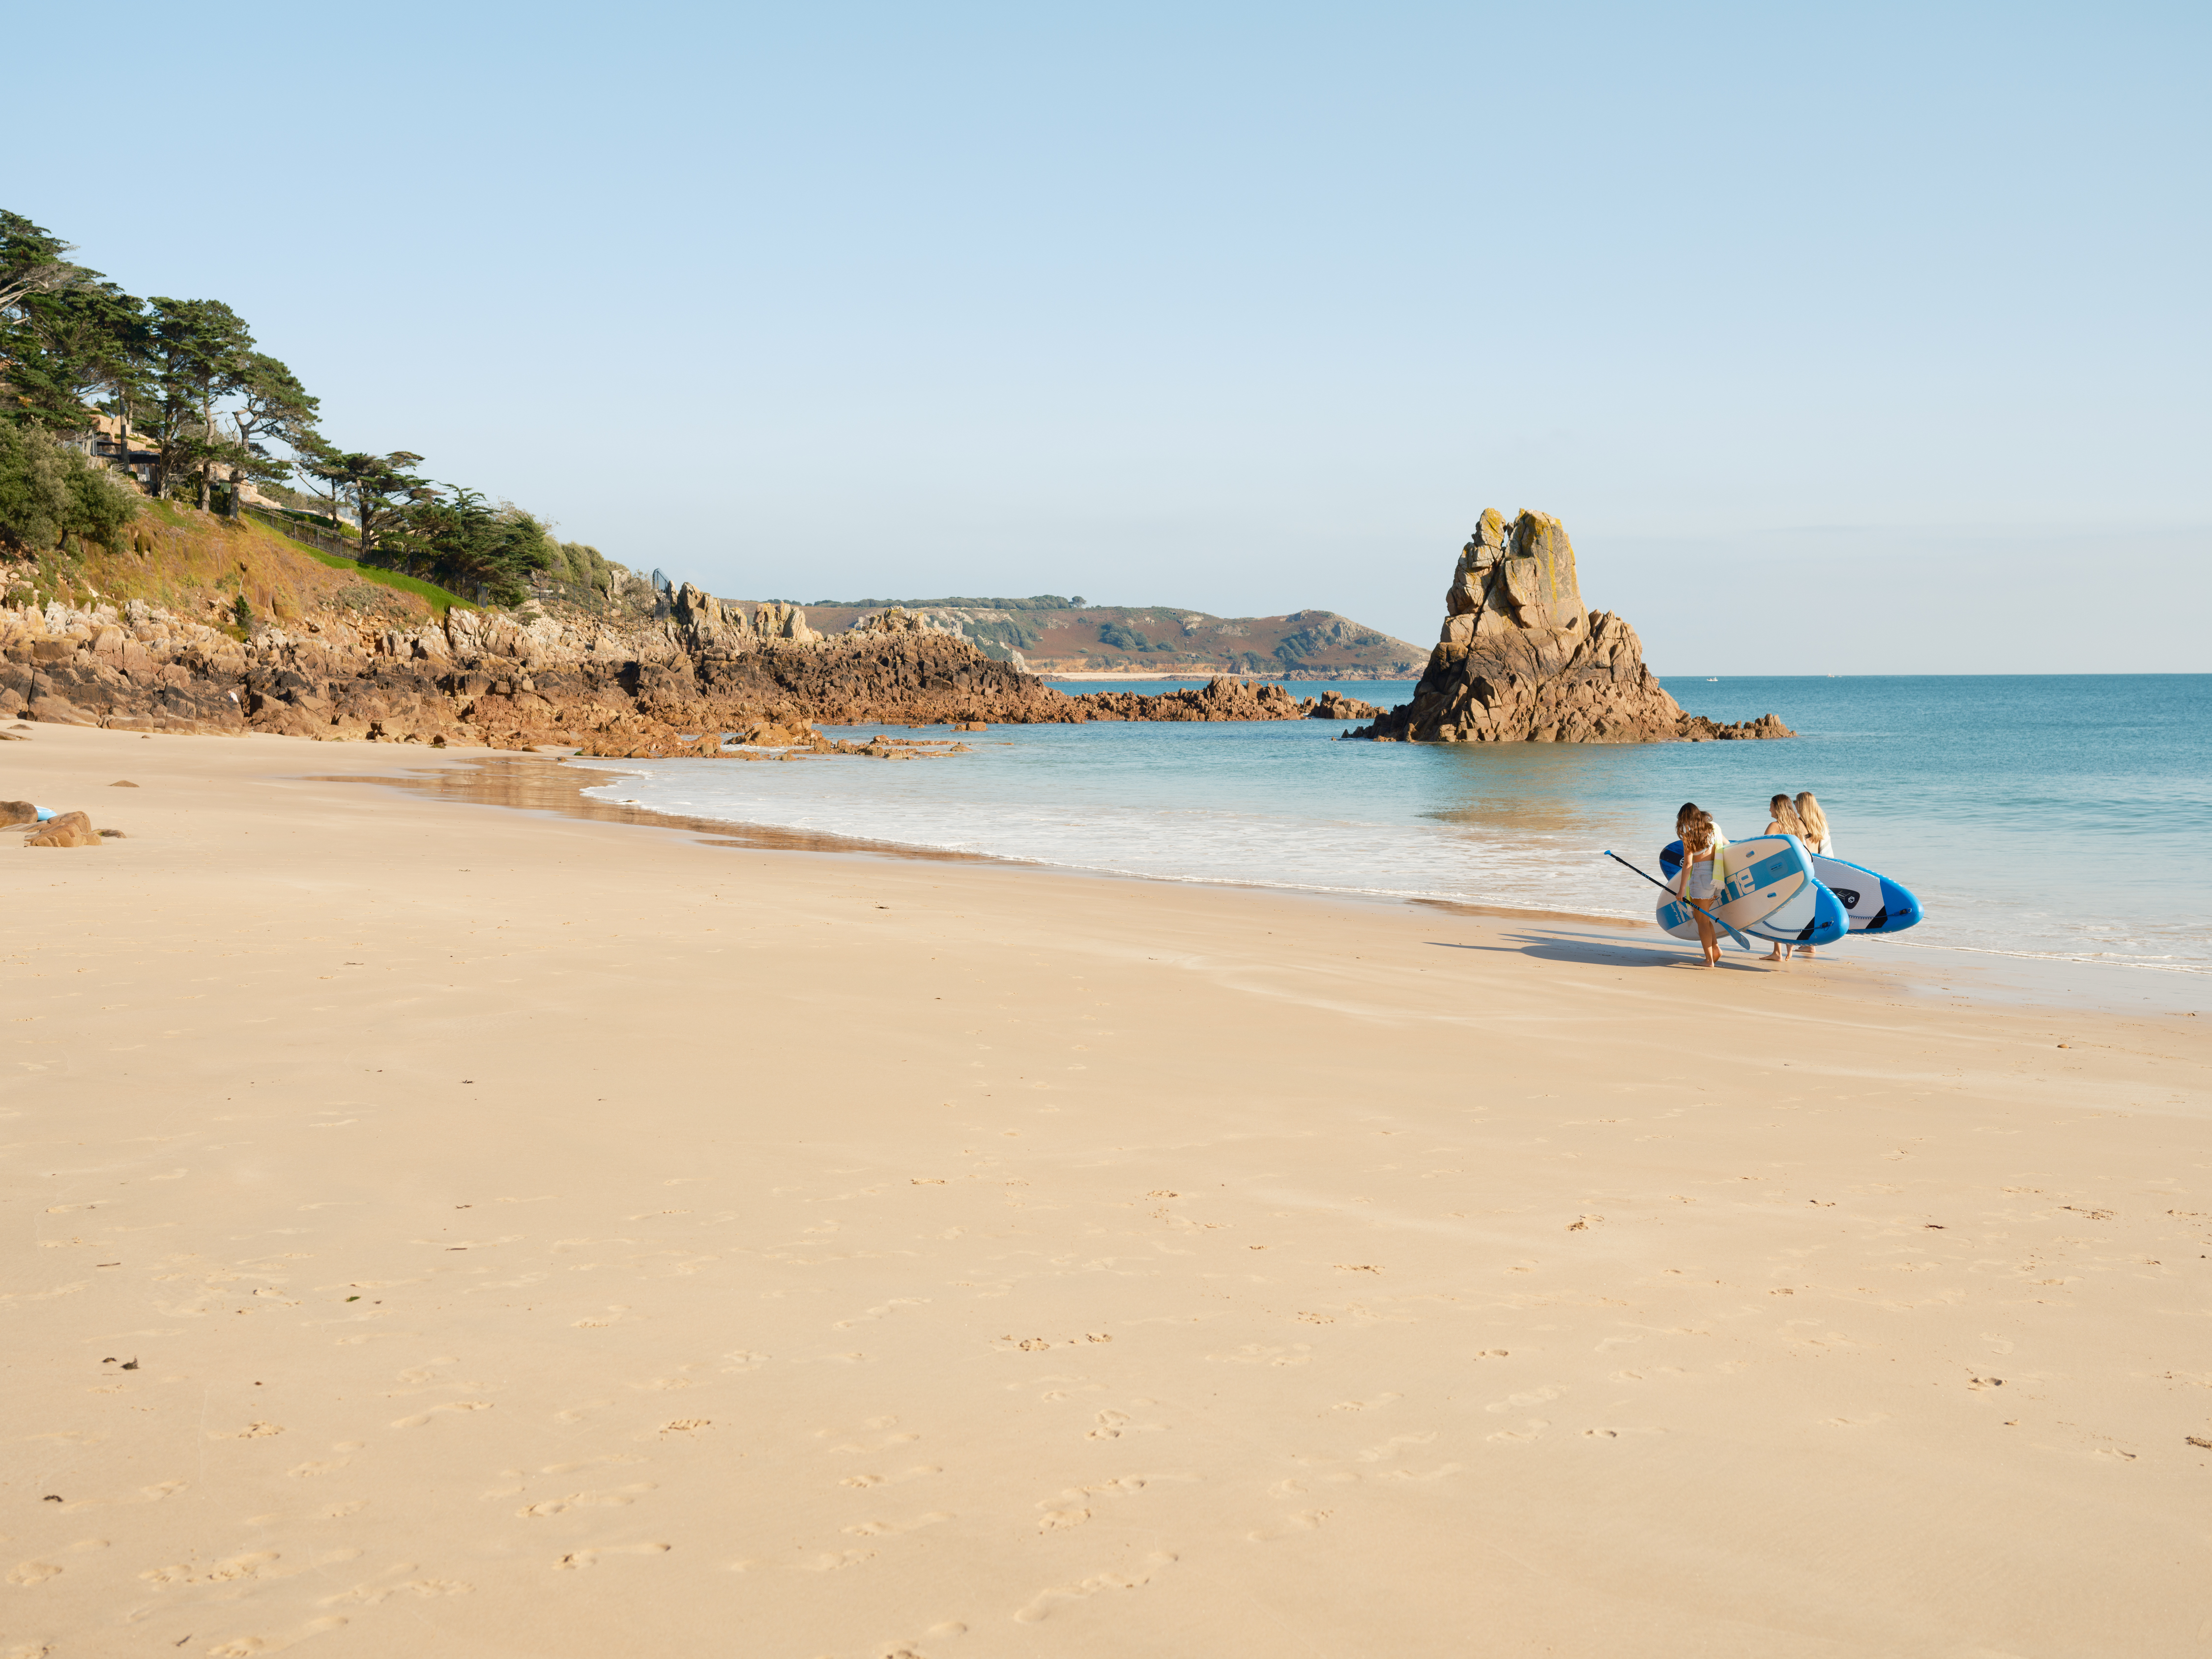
pixel 2036 816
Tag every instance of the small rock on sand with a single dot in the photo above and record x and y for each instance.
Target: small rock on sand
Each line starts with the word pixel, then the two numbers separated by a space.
pixel 66 830
pixel 122 783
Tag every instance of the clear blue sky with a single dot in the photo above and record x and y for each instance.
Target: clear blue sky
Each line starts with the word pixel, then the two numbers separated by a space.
pixel 1845 339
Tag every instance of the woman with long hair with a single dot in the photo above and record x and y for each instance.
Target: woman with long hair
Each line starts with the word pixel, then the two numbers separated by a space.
pixel 1782 820
pixel 1817 840
pixel 1703 847
pixel 1813 830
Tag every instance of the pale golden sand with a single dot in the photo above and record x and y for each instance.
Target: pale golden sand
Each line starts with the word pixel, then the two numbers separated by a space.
pixel 536 1236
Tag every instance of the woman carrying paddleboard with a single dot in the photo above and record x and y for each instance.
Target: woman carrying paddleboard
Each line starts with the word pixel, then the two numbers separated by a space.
pixel 1818 841
pixel 1704 850
pixel 1813 830
pixel 1782 820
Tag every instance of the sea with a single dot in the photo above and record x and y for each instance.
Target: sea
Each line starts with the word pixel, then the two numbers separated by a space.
pixel 2054 816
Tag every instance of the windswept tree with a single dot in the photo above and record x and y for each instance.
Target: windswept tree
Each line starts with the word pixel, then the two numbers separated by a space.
pixel 196 354
pixel 468 545
pixel 377 491
pixel 48 330
pixel 273 406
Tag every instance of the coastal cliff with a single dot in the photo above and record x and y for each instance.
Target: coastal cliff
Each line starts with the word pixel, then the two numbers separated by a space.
pixel 168 634
pixel 1522 659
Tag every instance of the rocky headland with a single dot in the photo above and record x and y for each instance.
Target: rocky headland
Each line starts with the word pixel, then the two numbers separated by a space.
pixel 1522 659
pixel 246 632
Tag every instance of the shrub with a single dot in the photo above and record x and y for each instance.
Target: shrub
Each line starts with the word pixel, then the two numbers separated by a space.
pixel 48 491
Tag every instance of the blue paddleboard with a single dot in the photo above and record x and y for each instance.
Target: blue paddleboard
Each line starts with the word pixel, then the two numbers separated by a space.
pixel 1874 904
pixel 1812 915
pixel 1764 873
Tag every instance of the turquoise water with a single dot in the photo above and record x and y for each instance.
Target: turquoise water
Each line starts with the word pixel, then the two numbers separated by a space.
pixel 2051 815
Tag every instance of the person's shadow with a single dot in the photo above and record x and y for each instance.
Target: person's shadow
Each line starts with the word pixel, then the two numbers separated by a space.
pixel 1601 952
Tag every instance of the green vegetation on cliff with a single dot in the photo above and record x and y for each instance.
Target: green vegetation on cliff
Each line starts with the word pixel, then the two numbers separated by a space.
pixel 173 392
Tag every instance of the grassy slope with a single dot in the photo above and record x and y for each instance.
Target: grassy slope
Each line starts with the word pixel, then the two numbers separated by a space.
pixel 197 564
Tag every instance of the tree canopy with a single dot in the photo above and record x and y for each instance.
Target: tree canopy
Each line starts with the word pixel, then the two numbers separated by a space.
pixel 184 380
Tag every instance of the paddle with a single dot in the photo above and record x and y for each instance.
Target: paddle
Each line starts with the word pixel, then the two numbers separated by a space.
pixel 1671 893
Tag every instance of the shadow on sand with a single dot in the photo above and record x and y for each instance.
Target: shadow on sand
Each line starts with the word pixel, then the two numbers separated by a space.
pixel 1598 950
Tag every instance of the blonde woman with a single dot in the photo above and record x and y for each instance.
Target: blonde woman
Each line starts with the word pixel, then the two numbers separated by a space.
pixel 1813 830
pixel 1817 840
pixel 1703 869
pixel 1782 820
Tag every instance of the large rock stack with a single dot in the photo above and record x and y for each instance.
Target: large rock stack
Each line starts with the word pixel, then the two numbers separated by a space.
pixel 1523 660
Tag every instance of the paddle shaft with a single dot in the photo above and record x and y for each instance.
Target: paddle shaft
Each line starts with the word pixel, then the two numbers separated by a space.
pixel 1685 899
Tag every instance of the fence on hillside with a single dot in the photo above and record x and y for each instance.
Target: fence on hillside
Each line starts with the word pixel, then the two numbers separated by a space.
pixel 313 535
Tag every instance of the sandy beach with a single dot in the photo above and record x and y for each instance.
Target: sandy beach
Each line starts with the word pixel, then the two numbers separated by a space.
pixel 871 1257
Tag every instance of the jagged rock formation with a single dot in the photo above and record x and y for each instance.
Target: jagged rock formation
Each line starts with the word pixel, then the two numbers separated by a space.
pixel 1335 706
pixel 1217 700
pixel 1523 660
pixel 202 624
pixel 510 681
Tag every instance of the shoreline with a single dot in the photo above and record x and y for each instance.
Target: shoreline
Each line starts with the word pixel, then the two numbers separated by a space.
pixel 461 1232
pixel 2013 978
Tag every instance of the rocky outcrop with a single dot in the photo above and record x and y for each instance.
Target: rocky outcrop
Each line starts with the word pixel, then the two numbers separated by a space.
pixel 1335 706
pixel 1523 660
pixel 65 829
pixel 529 680
pixel 1218 699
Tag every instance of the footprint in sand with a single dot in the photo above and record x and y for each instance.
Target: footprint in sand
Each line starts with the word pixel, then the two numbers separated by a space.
pixel 619 1498
pixel 1040 1606
pixel 1305 1520
pixel 1531 1397
pixel 28 1573
pixel 586 1463
pixel 222 1572
pixel 1366 1405
pixel 913 1473
pixel 1377 1454
pixel 1532 1429
pixel 419 1418
pixel 881 1528
pixel 370 1595
pixel 251 1647
pixel 1071 1509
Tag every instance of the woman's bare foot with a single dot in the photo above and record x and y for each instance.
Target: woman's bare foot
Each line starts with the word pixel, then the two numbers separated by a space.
pixel 1775 955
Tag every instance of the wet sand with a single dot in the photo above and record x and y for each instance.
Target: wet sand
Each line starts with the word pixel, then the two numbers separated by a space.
pixel 451 1230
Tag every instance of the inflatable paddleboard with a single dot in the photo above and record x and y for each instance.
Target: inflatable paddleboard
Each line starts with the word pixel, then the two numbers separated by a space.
pixel 1764 873
pixel 1874 904
pixel 1814 916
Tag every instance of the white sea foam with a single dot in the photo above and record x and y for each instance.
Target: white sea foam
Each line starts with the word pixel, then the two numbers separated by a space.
pixel 2023 863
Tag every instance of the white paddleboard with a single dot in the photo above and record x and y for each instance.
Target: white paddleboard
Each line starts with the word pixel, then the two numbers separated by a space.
pixel 1874 902
pixel 1764 873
